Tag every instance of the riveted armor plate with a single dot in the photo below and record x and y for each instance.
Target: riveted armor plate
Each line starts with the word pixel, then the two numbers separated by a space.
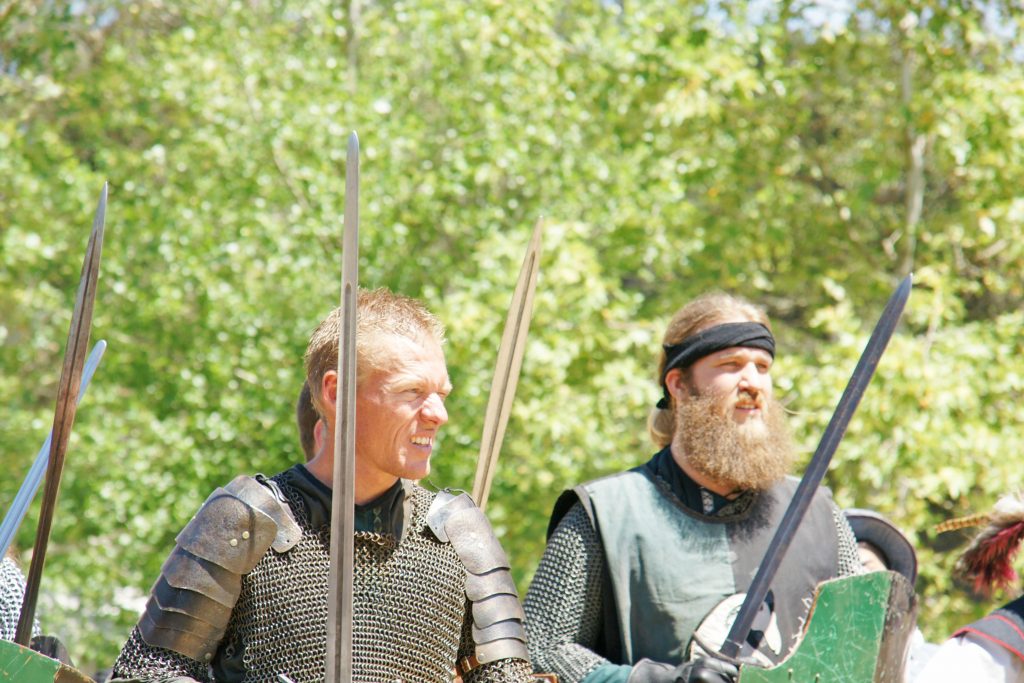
pixel 264 499
pixel 496 608
pixel 182 642
pixel 184 570
pixel 479 586
pixel 180 621
pixel 510 628
pixel 445 503
pixel 508 648
pixel 497 629
pixel 229 532
pixel 201 581
pixel 189 602
pixel 471 536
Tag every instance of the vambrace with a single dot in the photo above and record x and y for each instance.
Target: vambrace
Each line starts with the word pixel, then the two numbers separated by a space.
pixel 497 628
pixel 192 601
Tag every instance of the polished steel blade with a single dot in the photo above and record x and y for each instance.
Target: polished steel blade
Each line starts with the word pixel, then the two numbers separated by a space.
pixel 339 622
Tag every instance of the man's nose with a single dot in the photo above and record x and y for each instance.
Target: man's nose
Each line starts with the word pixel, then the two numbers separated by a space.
pixel 751 378
pixel 434 411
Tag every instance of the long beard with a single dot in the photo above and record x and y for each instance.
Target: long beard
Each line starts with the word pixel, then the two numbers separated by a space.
pixel 744 457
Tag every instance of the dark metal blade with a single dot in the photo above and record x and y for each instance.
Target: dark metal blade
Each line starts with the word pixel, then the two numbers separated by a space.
pixel 64 416
pixel 339 617
pixel 506 369
pixel 816 469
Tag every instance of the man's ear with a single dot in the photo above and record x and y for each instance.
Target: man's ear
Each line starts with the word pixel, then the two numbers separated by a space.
pixel 674 383
pixel 329 390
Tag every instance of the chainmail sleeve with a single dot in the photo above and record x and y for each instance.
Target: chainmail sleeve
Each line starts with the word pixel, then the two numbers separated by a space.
pixel 564 602
pixel 139 661
pixel 849 557
pixel 12 594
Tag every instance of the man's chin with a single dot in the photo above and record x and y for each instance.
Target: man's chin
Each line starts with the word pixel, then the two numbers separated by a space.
pixel 753 427
pixel 416 471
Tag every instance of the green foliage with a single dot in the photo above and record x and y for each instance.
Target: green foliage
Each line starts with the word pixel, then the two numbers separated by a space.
pixel 673 147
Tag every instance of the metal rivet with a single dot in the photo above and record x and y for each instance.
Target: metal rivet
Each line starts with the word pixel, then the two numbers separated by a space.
pixel 245 535
pixel 208 656
pixel 234 542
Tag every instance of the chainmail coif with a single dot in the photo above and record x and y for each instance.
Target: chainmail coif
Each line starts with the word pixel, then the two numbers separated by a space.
pixel 410 613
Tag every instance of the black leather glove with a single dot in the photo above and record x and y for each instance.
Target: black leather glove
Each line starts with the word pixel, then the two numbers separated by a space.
pixel 52 647
pixel 707 670
pixel 703 670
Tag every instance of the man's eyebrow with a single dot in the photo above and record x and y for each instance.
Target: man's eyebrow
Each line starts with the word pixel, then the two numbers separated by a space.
pixel 733 351
pixel 410 382
pixel 403 382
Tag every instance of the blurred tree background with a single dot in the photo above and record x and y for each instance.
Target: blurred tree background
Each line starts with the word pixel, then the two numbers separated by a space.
pixel 804 154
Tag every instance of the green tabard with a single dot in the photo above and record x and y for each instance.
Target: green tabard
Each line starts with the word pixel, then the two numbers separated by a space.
pixel 669 566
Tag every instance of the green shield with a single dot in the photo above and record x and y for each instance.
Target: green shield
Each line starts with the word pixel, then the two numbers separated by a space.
pixel 857 632
pixel 23 665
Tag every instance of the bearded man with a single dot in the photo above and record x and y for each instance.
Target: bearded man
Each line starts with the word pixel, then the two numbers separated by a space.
pixel 243 597
pixel 645 570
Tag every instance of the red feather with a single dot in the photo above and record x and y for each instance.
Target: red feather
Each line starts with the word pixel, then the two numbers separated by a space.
pixel 989 561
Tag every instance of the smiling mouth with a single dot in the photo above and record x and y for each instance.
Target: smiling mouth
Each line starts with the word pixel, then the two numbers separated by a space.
pixel 423 440
pixel 748 402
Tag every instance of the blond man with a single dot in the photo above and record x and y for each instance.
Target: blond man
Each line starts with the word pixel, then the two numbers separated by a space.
pixel 242 601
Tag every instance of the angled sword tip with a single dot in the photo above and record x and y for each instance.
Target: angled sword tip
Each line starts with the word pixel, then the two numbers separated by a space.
pixel 100 216
pixel 535 239
pixel 897 301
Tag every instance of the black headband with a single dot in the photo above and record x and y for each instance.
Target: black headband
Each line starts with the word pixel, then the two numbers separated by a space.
pixel 706 342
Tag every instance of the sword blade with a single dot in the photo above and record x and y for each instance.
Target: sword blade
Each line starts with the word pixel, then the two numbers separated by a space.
pixel 833 434
pixel 506 369
pixel 64 414
pixel 27 491
pixel 339 621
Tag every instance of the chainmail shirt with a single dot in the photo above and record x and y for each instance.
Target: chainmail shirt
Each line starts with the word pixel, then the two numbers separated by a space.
pixel 565 602
pixel 12 595
pixel 411 617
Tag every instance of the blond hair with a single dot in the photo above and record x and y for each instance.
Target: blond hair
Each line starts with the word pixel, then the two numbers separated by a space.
pixel 707 310
pixel 381 313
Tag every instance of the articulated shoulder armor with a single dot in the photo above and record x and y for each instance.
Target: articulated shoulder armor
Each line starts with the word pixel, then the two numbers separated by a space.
pixel 192 601
pixel 498 631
